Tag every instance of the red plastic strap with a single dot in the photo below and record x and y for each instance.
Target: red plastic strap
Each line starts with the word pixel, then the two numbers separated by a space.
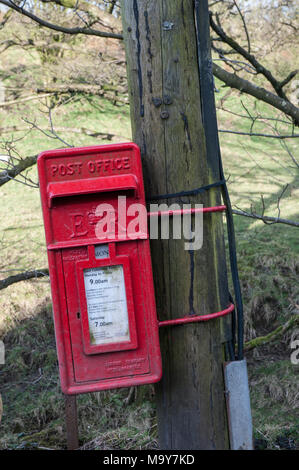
pixel 197 318
pixel 187 211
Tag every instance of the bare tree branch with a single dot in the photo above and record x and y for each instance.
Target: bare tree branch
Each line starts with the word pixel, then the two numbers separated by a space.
pixel 252 60
pixel 266 219
pixel 72 130
pixel 23 164
pixel 23 100
pixel 280 102
pixel 107 91
pixel 257 117
pixel 80 88
pixel 260 93
pixel 244 25
pixel 288 78
pixel 61 29
pixel 4 283
pixel 253 134
pixel 275 334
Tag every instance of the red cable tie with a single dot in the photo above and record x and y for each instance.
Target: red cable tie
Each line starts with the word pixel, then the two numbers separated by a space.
pixel 187 211
pixel 197 318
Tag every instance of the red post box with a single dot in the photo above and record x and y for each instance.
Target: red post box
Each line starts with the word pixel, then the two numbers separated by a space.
pixel 101 277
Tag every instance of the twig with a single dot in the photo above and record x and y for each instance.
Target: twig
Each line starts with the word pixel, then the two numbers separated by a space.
pixel 260 93
pixel 262 340
pixel 284 145
pixel 266 219
pixel 253 134
pixel 258 117
pixel 245 26
pixel 251 59
pixel 72 130
pixel 11 173
pixel 61 29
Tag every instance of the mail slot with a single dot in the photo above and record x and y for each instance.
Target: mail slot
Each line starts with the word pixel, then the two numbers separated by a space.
pixel 101 280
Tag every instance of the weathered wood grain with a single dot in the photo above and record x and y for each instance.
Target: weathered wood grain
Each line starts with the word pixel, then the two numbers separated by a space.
pixel 164 86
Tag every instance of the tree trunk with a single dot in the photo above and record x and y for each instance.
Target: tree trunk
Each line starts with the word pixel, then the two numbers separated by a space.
pixel 164 84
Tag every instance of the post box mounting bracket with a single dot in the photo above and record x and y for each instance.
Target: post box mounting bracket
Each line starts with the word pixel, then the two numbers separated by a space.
pixel 192 318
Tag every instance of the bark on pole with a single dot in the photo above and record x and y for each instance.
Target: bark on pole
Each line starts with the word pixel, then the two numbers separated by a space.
pixel 164 86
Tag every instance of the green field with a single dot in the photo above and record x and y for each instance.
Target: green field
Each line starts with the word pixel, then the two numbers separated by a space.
pixel 268 262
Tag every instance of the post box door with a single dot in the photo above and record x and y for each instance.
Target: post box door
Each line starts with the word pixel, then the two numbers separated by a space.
pixel 112 361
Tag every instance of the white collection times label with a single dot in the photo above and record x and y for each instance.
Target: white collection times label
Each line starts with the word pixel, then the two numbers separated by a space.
pixel 106 305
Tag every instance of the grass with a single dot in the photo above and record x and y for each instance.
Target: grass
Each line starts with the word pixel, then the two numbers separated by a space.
pixel 274 399
pixel 268 262
pixel 269 265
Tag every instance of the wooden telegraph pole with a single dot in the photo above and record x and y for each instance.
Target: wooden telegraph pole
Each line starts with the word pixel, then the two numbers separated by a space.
pixel 167 122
